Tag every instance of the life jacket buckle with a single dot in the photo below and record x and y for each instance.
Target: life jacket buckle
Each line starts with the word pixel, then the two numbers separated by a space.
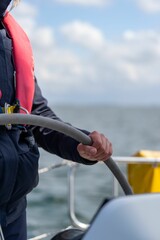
pixel 8 109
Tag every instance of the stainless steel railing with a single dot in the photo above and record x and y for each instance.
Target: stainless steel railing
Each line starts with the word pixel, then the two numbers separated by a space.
pixel 71 190
pixel 71 185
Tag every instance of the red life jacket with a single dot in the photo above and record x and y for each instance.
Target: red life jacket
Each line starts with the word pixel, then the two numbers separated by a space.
pixel 23 60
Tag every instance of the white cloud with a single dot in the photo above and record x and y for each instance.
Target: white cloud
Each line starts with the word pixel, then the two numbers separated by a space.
pixel 85 2
pixel 140 56
pixel 151 6
pixel 21 12
pixel 135 58
pixel 88 62
pixel 84 34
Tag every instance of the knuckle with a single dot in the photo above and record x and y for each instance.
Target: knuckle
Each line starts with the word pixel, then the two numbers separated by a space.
pixel 111 149
pixel 103 136
pixel 99 143
pixel 95 132
pixel 106 152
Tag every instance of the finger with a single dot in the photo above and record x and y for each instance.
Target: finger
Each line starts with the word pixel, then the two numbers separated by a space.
pixel 105 149
pixel 102 155
pixel 96 139
pixel 100 150
pixel 105 153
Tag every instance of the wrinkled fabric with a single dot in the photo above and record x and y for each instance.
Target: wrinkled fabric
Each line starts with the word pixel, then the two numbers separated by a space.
pixel 18 171
pixel 6 69
pixel 17 229
pixel 54 141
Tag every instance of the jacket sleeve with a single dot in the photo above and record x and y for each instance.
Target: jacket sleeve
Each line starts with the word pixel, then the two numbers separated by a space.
pixel 51 140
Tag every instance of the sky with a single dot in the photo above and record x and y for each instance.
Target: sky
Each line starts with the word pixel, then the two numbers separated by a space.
pixel 95 51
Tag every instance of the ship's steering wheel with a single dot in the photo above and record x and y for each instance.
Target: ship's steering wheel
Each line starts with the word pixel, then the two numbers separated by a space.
pixel 46 122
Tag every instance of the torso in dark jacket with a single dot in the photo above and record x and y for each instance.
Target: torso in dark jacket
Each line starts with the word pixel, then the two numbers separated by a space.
pixel 18 153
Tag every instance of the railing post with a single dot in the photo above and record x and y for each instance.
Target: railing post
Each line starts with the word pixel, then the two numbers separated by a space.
pixel 71 199
pixel 1 234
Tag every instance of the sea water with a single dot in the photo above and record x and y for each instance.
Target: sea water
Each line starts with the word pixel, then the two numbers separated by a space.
pixel 128 128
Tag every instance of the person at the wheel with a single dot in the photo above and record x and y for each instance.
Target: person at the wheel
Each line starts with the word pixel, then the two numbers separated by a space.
pixel 19 144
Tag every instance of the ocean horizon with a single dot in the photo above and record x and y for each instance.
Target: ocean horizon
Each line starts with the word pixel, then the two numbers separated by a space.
pixel 129 128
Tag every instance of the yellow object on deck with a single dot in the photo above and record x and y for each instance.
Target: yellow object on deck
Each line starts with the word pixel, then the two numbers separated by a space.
pixel 145 178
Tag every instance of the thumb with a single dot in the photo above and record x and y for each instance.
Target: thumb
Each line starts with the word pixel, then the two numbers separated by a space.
pixel 86 150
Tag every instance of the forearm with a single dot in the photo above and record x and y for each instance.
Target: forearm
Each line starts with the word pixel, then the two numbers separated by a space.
pixel 50 140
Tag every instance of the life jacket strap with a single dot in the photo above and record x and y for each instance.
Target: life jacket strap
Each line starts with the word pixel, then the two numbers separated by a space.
pixel 23 61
